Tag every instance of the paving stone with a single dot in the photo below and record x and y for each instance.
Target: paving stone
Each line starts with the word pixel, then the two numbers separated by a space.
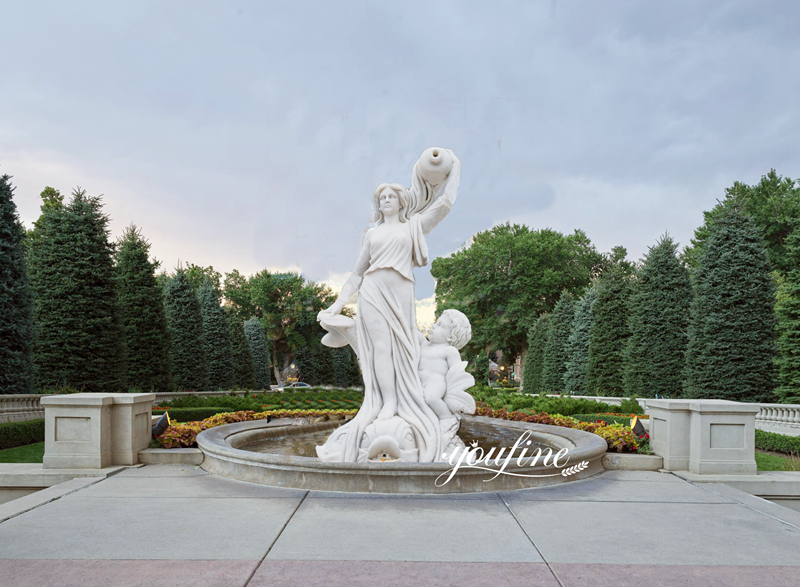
pixel 657 533
pixel 182 486
pixel 615 490
pixel 395 529
pixel 281 573
pixel 147 528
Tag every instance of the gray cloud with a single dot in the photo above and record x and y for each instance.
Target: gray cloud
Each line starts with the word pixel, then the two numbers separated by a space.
pixel 251 135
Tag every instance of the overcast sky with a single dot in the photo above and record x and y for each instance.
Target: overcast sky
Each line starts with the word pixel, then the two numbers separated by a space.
pixel 251 135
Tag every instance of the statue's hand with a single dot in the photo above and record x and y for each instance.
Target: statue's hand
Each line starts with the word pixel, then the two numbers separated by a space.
pixel 456 162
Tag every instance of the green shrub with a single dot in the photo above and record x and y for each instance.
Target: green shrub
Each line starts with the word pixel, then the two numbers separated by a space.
pixel 602 418
pixel 777 442
pixel 192 414
pixel 566 406
pixel 21 433
pixel 630 406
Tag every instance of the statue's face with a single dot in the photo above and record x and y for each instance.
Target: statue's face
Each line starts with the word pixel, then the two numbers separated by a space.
pixel 389 203
pixel 440 331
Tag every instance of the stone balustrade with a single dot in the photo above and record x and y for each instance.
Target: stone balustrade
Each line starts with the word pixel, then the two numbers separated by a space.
pixel 781 418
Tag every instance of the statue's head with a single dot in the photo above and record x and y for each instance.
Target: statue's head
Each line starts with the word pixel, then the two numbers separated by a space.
pixel 391 198
pixel 452 327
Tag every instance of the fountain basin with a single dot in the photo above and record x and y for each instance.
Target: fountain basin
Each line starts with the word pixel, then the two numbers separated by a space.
pixel 224 455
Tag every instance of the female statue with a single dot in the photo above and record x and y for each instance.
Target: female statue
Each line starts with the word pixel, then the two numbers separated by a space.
pixel 386 334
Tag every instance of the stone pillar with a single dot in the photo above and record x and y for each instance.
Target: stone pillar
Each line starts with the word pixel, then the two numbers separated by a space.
pixel 669 432
pixel 96 430
pixel 723 438
pixel 712 437
pixel 131 426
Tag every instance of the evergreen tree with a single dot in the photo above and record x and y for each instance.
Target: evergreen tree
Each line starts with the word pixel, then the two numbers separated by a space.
pixel 787 309
pixel 345 366
pixel 141 309
pixel 78 340
pixel 609 334
pixel 215 336
pixel 243 369
pixel 16 325
pixel 732 330
pixel 534 358
pixel 659 319
pixel 189 363
pixel 556 348
pixel 579 337
pixel 259 349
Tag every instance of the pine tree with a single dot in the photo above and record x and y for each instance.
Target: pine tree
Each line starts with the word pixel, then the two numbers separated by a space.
pixel 732 329
pixel 243 369
pixel 579 337
pixel 556 349
pixel 609 335
pixel 259 350
pixel 187 348
pixel 16 325
pixel 215 336
pixel 534 358
pixel 345 367
pixel 787 309
pixel 78 339
pixel 141 309
pixel 659 319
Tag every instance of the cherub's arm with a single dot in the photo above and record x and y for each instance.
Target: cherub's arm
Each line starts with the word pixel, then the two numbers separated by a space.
pixel 453 357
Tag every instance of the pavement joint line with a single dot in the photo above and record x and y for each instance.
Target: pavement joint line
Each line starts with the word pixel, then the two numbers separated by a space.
pixel 263 558
pixel 749 507
pixel 38 505
pixel 549 568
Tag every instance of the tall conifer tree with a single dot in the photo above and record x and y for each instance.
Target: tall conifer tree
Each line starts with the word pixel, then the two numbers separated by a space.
pixel 556 349
pixel 260 351
pixel 656 351
pixel 16 325
pixel 534 358
pixel 609 334
pixel 187 348
pixel 243 369
pixel 579 338
pixel 788 311
pixel 732 329
pixel 78 339
pixel 216 339
pixel 141 306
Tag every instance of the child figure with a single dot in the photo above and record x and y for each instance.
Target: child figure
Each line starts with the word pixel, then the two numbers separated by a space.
pixel 441 370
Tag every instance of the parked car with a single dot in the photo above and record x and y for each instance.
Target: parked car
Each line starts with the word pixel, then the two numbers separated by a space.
pixel 294 385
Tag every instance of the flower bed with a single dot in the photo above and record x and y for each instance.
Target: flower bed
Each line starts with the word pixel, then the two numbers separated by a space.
pixel 619 438
pixel 184 435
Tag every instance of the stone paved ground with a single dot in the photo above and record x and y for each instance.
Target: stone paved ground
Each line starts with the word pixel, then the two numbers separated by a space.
pixel 176 525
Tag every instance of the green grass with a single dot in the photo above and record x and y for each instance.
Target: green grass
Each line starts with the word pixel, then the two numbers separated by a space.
pixel 770 462
pixel 30 453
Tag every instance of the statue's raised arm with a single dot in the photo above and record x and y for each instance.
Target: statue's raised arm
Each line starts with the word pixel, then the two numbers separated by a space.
pixel 435 168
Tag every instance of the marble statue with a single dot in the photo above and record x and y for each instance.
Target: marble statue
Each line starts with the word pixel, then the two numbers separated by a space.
pixel 413 387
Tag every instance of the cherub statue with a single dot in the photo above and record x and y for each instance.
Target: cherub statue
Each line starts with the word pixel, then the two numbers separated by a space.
pixel 444 377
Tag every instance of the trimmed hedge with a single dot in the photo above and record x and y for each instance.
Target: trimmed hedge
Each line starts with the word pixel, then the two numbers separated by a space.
pixel 777 442
pixel 192 414
pixel 603 418
pixel 21 433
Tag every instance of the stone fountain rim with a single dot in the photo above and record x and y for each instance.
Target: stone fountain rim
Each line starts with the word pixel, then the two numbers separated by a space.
pixel 216 443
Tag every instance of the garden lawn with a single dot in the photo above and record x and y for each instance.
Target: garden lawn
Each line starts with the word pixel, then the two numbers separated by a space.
pixel 772 462
pixel 30 453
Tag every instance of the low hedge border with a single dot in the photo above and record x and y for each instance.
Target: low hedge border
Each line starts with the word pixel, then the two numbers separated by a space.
pixel 14 434
pixel 192 414
pixel 777 442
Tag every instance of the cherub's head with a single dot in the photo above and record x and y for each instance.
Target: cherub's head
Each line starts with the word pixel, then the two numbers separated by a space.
pixel 452 328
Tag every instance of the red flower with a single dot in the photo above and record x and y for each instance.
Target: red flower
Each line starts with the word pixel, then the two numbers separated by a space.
pixel 647 436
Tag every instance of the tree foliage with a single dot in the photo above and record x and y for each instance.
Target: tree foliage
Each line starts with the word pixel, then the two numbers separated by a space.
pixel 533 367
pixel 507 277
pixel 659 319
pixel 345 368
pixel 731 344
pixel 78 340
pixel 556 348
pixel 578 344
pixel 243 368
pixel 189 364
pixel 16 324
pixel 609 334
pixel 773 204
pixel 259 350
pixel 141 311
pixel 215 337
